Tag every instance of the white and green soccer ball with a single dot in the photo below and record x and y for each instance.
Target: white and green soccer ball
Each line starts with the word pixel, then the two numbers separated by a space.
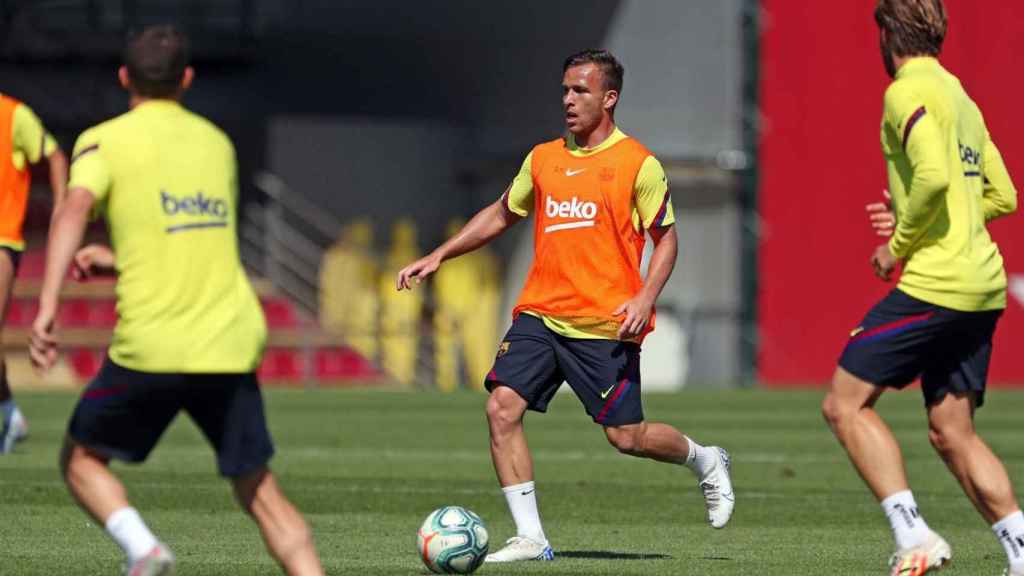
pixel 452 540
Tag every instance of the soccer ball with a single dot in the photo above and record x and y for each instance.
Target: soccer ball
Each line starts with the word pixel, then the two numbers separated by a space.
pixel 452 540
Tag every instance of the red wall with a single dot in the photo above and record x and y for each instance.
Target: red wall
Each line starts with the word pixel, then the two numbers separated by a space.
pixel 822 82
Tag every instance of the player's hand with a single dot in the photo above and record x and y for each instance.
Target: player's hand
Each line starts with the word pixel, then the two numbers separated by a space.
pixel 882 218
pixel 93 260
pixel 42 342
pixel 883 262
pixel 638 314
pixel 419 270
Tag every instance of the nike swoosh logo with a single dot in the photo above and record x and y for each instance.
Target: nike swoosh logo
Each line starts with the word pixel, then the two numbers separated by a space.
pixel 527 492
pixel 608 391
pixel 574 172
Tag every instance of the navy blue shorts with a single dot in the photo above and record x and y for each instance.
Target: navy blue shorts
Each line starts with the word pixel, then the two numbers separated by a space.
pixel 123 413
pixel 903 339
pixel 604 374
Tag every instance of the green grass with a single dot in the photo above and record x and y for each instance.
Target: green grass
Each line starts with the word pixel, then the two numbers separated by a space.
pixel 367 466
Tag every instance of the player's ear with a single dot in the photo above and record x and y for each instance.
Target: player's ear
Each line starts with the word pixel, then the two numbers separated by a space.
pixel 123 78
pixel 187 77
pixel 611 98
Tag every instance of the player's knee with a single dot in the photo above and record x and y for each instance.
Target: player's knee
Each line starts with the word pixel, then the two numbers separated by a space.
pixel 832 411
pixel 503 412
pixel 626 439
pixel 944 440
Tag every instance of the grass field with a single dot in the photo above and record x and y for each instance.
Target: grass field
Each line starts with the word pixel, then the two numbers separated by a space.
pixel 367 466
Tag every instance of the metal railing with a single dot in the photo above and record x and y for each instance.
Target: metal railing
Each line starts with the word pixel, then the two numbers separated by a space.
pixel 284 239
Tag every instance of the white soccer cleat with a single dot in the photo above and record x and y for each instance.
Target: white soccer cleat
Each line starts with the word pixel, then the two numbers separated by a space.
pixel 520 549
pixel 930 556
pixel 717 488
pixel 159 562
pixel 1010 572
pixel 14 428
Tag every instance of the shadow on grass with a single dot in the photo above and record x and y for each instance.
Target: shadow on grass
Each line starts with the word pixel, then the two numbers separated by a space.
pixel 606 555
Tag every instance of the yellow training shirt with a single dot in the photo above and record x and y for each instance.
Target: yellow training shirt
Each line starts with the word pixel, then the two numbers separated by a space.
pixel 947 180
pixel 652 208
pixel 31 141
pixel 167 183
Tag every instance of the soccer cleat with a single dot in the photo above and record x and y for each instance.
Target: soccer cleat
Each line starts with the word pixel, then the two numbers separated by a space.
pixel 717 488
pixel 1010 572
pixel 159 562
pixel 928 557
pixel 521 548
pixel 14 428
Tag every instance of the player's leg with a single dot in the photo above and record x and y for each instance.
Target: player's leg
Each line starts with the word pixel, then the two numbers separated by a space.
pixel 228 408
pixel 103 497
pixel 889 349
pixel 849 409
pixel 121 414
pixel 605 375
pixel 953 390
pixel 284 530
pixel 524 376
pixel 12 423
pixel 980 472
pixel 664 443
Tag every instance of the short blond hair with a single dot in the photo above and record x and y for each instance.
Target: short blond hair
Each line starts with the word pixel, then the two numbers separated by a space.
pixel 913 27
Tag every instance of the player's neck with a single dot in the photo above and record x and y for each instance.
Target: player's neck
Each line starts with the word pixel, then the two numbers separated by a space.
pixel 899 61
pixel 596 136
pixel 136 100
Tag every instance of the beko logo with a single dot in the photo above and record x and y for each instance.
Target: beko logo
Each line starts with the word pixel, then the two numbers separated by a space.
pixel 583 212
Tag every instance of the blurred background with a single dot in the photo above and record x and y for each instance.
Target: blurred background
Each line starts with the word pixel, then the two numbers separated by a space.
pixel 367 131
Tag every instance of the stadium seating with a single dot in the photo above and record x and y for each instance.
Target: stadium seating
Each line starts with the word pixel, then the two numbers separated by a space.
pixel 298 352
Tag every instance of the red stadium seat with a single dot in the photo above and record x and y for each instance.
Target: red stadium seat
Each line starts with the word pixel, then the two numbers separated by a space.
pixel 104 313
pixel 75 313
pixel 343 364
pixel 85 362
pixel 21 312
pixel 281 365
pixel 280 313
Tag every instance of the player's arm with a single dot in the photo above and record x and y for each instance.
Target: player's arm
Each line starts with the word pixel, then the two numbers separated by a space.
pixel 92 261
pixel 999 197
pixel 89 183
pixel 66 231
pixel 924 145
pixel 654 208
pixel 486 225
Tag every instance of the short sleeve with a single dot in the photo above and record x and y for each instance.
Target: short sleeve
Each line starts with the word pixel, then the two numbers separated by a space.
pixel 653 201
pixel 88 168
pixel 30 137
pixel 519 196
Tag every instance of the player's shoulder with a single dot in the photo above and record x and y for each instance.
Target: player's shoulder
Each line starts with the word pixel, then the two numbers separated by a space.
pixel 97 132
pixel 636 147
pixel 209 128
pixel 901 90
pixel 11 101
pixel 554 145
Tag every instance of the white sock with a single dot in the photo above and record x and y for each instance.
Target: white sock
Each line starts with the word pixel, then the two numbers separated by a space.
pixel 908 526
pixel 699 459
pixel 126 527
pixel 1010 532
pixel 522 502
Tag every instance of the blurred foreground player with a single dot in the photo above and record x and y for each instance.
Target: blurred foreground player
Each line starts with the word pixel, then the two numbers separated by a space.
pixel 190 330
pixel 947 180
pixel 585 308
pixel 23 141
